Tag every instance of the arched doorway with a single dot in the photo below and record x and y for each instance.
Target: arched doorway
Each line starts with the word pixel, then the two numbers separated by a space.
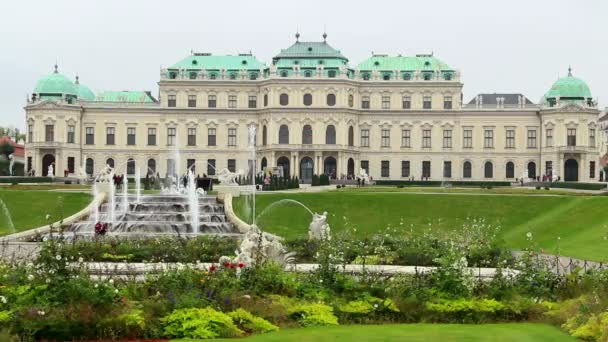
pixel 330 167
pixel 532 170
pixel 351 168
pixel 283 162
pixel 130 167
pixel 571 170
pixel 488 170
pixel 466 169
pixel 110 162
pixel 47 161
pixel 89 166
pixel 306 170
pixel 264 163
pixel 510 170
pixel 151 167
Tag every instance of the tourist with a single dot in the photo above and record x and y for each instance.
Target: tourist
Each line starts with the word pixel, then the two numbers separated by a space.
pixel 358 182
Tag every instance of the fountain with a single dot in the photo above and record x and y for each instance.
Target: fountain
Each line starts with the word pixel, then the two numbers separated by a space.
pixel 125 194
pixel 96 206
pixel 138 185
pixel 193 202
pixel 9 219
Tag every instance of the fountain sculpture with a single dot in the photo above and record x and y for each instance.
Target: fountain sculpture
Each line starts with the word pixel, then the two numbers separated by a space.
pixel 11 162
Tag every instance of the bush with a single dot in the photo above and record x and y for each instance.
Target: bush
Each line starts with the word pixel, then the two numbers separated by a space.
pixel 538 187
pixel 577 185
pixel 250 323
pixel 19 179
pixel 481 310
pixel 199 323
pixel 438 183
pixel 324 179
pixel 315 314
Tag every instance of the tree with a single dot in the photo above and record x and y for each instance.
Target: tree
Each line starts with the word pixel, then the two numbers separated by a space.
pixel 7 149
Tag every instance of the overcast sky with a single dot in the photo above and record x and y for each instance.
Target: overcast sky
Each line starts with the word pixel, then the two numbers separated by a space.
pixel 499 46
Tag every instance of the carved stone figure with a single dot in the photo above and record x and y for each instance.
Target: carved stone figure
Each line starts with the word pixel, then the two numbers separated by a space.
pixel 105 175
pixel 50 171
pixel 318 228
pixel 228 178
pixel 363 175
pixel 265 246
pixel 11 162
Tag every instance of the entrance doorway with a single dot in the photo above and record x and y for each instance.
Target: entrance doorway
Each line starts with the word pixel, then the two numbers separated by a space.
pixel 571 170
pixel 47 161
pixel 532 170
pixel 330 167
pixel 306 170
pixel 351 168
pixel 283 163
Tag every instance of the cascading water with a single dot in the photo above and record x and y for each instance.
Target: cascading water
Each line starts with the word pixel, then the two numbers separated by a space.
pixel 112 195
pixel 96 205
pixel 9 219
pixel 138 185
pixel 193 202
pixel 252 132
pixel 125 194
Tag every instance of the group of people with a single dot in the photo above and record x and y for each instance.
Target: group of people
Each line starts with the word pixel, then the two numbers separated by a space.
pixel 118 179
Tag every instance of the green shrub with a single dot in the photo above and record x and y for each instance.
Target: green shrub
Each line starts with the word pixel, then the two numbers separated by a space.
pixel 324 179
pixel 199 323
pixel 577 185
pixel 20 179
pixel 313 314
pixel 250 323
pixel 465 310
pixel 357 307
pixel 438 183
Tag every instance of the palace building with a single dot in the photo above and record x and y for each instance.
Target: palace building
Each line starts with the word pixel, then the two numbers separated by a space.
pixel 398 117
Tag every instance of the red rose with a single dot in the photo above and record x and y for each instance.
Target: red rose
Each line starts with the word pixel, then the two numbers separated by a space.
pixel 227 264
pixel 231 265
pixel 212 268
pixel 241 265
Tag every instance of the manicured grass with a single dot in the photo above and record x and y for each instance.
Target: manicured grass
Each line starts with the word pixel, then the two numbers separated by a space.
pixel 579 221
pixel 494 190
pixel 28 208
pixel 520 332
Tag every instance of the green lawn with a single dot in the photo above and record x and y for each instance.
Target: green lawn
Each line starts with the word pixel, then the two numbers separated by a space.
pixel 28 208
pixel 520 332
pixel 579 221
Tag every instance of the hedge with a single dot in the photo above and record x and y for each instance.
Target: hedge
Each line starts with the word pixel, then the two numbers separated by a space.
pixel 18 179
pixel 438 183
pixel 577 185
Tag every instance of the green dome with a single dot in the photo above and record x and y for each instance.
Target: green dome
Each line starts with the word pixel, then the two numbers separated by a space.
pixel 569 87
pixel 55 84
pixel 84 92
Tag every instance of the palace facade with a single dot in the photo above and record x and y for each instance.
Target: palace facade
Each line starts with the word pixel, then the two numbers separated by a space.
pixel 398 117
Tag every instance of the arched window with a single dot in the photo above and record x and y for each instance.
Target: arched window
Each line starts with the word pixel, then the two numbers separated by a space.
pixel 330 135
pixel 331 99
pixel 307 73
pixel 306 135
pixel 110 162
pixel 284 134
pixel 351 136
pixel 151 166
pixel 307 99
pixel 510 170
pixel 89 166
pixel 265 100
pixel 264 136
pixel 130 166
pixel 283 73
pixel 283 99
pixel 488 170
pixel 283 164
pixel 264 163
pixel 351 100
pixel 466 169
pixel 531 170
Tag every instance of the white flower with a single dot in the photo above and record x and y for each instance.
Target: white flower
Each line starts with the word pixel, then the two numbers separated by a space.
pixel 375 306
pixel 30 277
pixel 111 281
pixel 80 260
pixel 48 280
pixel 96 285
pixel 41 313
pixel 320 280
pixel 48 216
pixel 58 257
pixel 3 299
pixel 529 235
pixel 116 291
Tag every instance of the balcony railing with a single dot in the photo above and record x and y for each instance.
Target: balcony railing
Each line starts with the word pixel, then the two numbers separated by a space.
pixel 306 147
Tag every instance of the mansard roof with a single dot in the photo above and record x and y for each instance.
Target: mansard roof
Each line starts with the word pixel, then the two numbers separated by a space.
pixel 126 96
pixel 310 50
pixel 491 99
pixel 399 62
pixel 207 61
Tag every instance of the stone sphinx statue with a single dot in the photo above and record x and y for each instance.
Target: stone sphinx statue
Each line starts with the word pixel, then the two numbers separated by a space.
pixel 318 228
pixel 257 244
pixel 363 175
pixel 228 178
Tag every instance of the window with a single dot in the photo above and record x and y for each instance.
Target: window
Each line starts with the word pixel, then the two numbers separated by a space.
pixel 510 142
pixel 253 101
pixel 386 102
pixel 110 132
pixel 488 170
pixel 211 167
pixel 549 140
pixel 591 137
pixel 192 75
pixel 253 76
pixel 284 73
pixel 447 169
pixel 549 168
pixel 531 138
pixel 190 164
pixel 29 163
pixel 284 134
pixel 89 166
pixel 365 137
pixel 151 166
pixel 171 101
pixel 307 99
pixel 191 100
pixel 467 138
pixel 90 135
pixel 71 164
pixel 427 76
pixel 171 166
pixel 307 73
pixel 49 133
pixel 351 100
pixel 232 165
pixel 265 100
pixel 212 101
pixel 571 136
pixel 232 76
pixel 385 168
pixel 330 135
pixel 406 102
pixel 406 138
pixel 366 76
pixel 231 101
pixel 211 137
pixel 130 135
pixel 447 138
pixel 407 76
pixel 151 136
pixel 488 138
pixel 365 102
pixel 426 169
pixel 351 136
pixel 212 76
pixel 466 169
pixel 264 136
pixel 283 99
pixel 592 169
pixel 192 136
pixel 510 170
pixel 171 136
pixel 71 134
pixel 30 134
pixel 232 137
pixel 405 168
pixel 130 166
pixel 365 166
pixel 386 77
pixel 427 102
pixel 426 138
pixel 307 135
pixel 385 138
pixel 447 102
pixel 331 99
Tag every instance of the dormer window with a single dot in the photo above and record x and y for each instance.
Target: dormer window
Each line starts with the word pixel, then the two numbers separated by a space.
pixel 427 76
pixel 366 76
pixel 331 73
pixel 296 62
pixel 320 62
pixel 310 49
pixel 172 75
pixel 253 76
pixel 244 62
pixel 307 73
pixel 283 73
pixel 233 76
pixel 407 76
pixel 386 77
pixel 376 63
pixel 212 76
pixel 192 75
pixel 447 76
pixel 427 63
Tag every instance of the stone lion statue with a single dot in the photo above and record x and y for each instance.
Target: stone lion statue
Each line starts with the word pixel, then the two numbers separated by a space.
pixel 228 178
pixel 318 228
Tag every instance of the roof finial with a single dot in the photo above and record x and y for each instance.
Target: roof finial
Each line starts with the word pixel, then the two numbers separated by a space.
pixel 324 34
pixel 56 68
pixel 297 34
pixel 77 79
pixel 569 70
